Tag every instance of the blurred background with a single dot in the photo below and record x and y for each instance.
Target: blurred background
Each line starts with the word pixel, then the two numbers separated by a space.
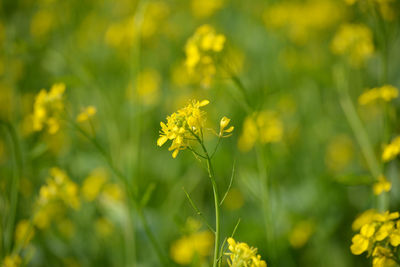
pixel 289 77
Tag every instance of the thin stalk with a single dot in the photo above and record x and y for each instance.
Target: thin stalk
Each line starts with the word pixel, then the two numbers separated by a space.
pixel 356 124
pixel 216 199
pixel 8 235
pixel 132 198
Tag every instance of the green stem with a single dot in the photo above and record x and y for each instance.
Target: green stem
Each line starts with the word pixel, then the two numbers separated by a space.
pixel 216 199
pixel 8 236
pixel 132 198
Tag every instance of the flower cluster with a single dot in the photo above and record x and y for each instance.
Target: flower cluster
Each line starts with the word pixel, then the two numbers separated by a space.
pixel 379 235
pixel 385 93
pixel 12 261
pixel 302 20
pixel 186 248
pixel 382 185
pixel 243 255
pixel 48 107
pixel 391 150
pixel 200 51
pixel 354 41
pixel 59 191
pixel 86 114
pixel 183 126
pixel 264 127
pixel 97 185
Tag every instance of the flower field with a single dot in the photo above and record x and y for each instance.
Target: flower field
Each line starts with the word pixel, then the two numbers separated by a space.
pixel 200 133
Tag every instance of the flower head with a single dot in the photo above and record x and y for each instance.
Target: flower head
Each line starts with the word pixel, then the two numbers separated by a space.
pixel 382 185
pixel 222 127
pixel 200 51
pixel 391 150
pixel 385 93
pixel 86 114
pixel 48 107
pixel 242 254
pixel 355 41
pixel 182 126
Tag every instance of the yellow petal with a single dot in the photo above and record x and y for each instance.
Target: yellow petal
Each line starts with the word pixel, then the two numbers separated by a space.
pixel 162 140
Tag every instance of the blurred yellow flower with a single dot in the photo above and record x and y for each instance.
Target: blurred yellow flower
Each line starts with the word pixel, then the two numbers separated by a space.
pixel 42 23
pixel 382 185
pixel 355 41
pixel 93 184
pixel 148 86
pixel 24 232
pixel 264 127
pixel 201 50
pixel 183 126
pixel 48 107
pixel 386 93
pixel 186 248
pixel 113 192
pixel 205 8
pixel 302 20
pixel 391 150
pixel 382 257
pixel 366 217
pixel 339 152
pixel 154 18
pixel 104 227
pixel 122 34
pixel 59 191
pixel 12 261
pixel 301 233
pixel 86 114
pixel 242 255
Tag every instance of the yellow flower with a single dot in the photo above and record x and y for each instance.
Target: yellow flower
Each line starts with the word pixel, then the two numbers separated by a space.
pixel 24 232
pixel 384 230
pixel 48 107
pixel 395 235
pixel 122 34
pixel 222 125
pixel 301 233
pixel 386 216
pixel 382 185
pixel 355 41
pixel 301 21
pixel 147 86
pixel 186 248
pixel 86 114
pixel 58 192
pixel 201 50
pixel 382 257
pixel 366 217
pixel 93 184
pixel 361 242
pixel 183 126
pixel 12 261
pixel 386 93
pixel 264 127
pixel 205 8
pixel 242 255
pixel 391 150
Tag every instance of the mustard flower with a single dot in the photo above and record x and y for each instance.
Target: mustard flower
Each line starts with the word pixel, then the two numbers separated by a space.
pixel 201 50
pixel 59 192
pixel 385 93
pixel 382 185
pixel 222 127
pixel 12 261
pixel 354 41
pixel 379 229
pixel 391 150
pixel 182 126
pixel 86 114
pixel 186 248
pixel 264 127
pixel 382 257
pixel 48 107
pixel 362 242
pixel 241 255
pixel 24 232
